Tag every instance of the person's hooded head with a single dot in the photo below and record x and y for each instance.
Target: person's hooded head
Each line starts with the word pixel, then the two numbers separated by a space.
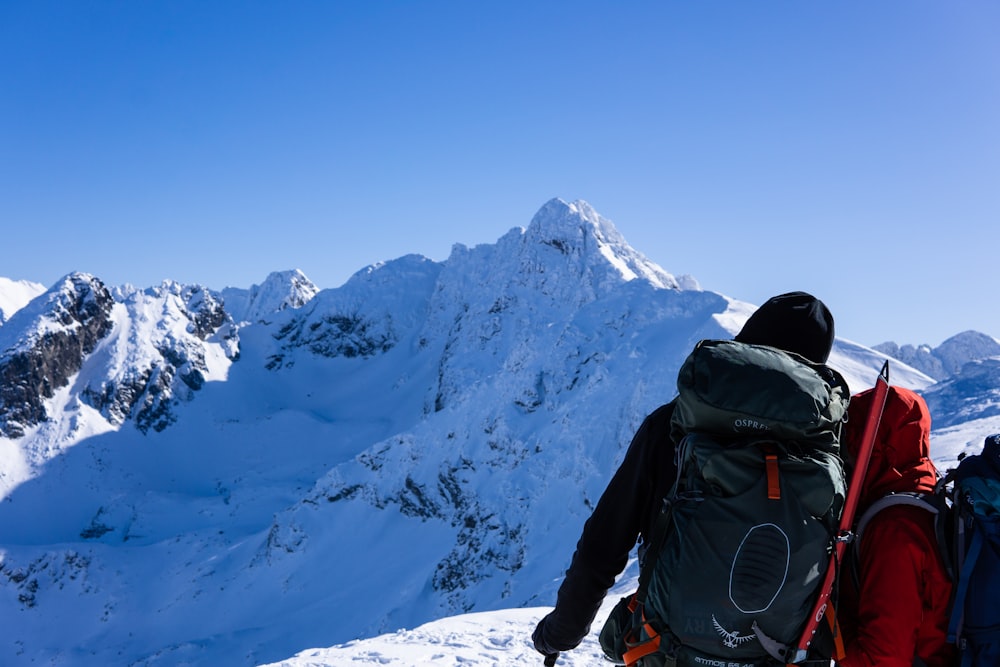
pixel 901 458
pixel 795 322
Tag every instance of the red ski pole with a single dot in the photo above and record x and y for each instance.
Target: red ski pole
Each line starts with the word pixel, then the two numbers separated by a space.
pixel 845 535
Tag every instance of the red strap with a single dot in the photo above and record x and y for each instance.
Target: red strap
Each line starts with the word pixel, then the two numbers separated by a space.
pixel 773 483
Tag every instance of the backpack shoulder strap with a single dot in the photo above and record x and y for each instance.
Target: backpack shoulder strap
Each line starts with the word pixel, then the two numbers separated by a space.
pixel 649 556
pixel 913 499
pixel 957 620
pixel 661 526
pixel 921 500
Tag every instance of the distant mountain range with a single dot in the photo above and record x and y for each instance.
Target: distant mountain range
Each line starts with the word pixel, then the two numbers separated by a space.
pixel 228 477
pixel 948 358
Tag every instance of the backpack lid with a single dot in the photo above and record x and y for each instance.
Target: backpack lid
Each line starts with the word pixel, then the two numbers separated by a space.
pixel 740 390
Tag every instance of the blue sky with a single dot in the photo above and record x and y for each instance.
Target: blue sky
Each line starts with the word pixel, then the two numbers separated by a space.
pixel 851 149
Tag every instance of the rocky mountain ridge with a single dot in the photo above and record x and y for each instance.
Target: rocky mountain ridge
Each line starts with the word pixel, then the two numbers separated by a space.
pixel 948 358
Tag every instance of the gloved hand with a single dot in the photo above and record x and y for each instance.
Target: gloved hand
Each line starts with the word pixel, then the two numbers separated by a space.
pixel 538 638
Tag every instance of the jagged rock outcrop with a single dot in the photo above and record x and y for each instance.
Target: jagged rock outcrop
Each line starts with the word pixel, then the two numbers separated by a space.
pixel 166 360
pixel 143 351
pixel 488 298
pixel 55 336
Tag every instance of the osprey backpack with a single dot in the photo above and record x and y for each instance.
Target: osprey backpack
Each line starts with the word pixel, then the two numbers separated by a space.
pixel 738 553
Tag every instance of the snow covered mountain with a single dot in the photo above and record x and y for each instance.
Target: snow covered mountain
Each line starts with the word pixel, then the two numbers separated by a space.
pixel 15 294
pixel 281 290
pixel 200 477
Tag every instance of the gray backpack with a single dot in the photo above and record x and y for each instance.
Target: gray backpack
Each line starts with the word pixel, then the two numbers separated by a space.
pixel 737 556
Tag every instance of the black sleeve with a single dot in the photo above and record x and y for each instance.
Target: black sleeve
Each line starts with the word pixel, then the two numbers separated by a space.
pixel 624 511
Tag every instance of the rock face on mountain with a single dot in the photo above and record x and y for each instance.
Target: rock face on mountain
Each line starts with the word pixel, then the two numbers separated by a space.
pixel 56 333
pixel 135 354
pixel 165 361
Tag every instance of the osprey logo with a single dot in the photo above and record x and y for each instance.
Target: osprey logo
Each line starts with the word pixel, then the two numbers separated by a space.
pixel 730 639
pixel 746 424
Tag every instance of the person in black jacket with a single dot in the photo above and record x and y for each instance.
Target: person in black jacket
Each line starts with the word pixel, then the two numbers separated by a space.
pixel 795 322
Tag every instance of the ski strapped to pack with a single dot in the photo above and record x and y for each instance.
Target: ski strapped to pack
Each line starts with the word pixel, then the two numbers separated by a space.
pixel 845 535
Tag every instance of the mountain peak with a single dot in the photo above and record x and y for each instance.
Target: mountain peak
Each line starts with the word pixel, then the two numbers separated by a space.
pixel 949 357
pixel 577 229
pixel 559 223
pixel 280 290
pixel 556 210
pixel 75 299
pixel 44 345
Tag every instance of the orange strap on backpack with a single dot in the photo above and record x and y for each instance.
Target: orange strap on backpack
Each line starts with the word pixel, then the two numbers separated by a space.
pixel 643 648
pixel 773 481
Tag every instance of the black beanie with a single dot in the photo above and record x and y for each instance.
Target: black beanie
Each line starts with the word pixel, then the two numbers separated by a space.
pixel 795 322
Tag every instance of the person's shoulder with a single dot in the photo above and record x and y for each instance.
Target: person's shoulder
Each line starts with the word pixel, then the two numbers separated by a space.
pixel 659 419
pixel 654 433
pixel 901 526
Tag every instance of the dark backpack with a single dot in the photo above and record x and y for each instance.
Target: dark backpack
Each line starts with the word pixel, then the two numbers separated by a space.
pixel 966 505
pixel 734 564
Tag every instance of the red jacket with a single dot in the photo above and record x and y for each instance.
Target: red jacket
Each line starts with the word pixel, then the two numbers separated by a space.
pixel 899 611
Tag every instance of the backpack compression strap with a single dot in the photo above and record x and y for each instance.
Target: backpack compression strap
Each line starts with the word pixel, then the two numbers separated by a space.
pixel 640 648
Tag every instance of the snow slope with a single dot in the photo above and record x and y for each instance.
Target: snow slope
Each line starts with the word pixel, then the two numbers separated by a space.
pixel 15 294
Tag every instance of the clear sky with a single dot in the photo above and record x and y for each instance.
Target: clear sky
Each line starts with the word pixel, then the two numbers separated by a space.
pixel 851 149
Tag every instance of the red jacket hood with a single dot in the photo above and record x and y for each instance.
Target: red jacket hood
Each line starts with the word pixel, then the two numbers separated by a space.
pixel 901 458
